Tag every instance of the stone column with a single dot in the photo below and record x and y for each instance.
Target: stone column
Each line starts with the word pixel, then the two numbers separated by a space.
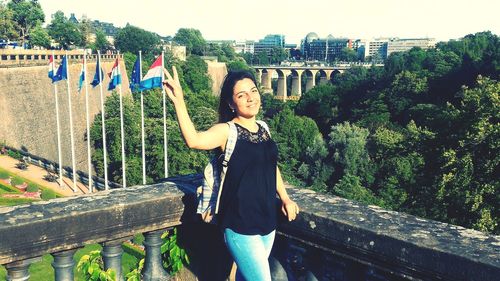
pixel 153 269
pixel 258 76
pixel 297 83
pixel 112 256
pixel 311 80
pixel 281 93
pixel 266 80
pixel 63 265
pixel 19 270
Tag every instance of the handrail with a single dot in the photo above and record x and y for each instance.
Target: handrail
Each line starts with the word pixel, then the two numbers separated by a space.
pixel 401 245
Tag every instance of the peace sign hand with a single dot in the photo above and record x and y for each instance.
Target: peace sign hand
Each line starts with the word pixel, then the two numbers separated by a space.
pixel 173 86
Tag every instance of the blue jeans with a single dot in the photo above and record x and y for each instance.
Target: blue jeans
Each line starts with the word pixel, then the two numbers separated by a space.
pixel 251 253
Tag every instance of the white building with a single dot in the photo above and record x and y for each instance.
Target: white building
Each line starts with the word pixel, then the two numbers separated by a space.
pixel 402 45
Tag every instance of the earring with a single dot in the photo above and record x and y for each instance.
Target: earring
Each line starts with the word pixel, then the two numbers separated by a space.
pixel 232 110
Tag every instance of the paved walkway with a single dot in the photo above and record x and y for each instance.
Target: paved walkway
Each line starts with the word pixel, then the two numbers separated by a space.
pixel 36 174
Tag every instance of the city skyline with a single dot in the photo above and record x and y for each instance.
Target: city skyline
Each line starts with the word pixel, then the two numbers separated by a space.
pixel 238 20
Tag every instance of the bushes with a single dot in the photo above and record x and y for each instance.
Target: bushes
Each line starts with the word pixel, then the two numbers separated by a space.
pixel 17 181
pixel 15 154
pixel 48 194
pixel 4 175
pixel 32 187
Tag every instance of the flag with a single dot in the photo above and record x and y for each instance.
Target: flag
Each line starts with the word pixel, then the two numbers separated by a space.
pixel 82 77
pixel 62 71
pixel 52 67
pixel 154 76
pixel 115 76
pixel 135 78
pixel 98 68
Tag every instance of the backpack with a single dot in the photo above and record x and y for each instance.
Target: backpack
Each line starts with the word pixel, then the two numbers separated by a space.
pixel 214 175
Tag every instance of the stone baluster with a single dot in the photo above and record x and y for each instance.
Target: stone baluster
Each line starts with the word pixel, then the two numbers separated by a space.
pixel 18 271
pixel 112 256
pixel 63 265
pixel 153 269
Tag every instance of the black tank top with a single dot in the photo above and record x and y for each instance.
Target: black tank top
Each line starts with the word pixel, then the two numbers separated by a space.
pixel 248 200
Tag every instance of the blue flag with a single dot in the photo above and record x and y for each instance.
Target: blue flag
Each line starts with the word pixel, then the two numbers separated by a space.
pixel 62 71
pixel 135 78
pixel 96 80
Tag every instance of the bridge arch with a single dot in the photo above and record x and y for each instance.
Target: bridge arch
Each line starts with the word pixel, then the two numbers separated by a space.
pixel 266 77
pixel 296 75
pixel 282 86
pixel 310 75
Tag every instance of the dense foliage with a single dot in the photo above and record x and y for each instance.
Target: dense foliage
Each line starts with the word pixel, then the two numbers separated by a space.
pixel 420 135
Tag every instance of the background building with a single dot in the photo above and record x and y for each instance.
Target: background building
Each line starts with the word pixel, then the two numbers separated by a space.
pixel 269 42
pixel 324 49
pixel 402 45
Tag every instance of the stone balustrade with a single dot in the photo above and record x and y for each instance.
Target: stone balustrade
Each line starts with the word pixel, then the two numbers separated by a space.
pixel 20 57
pixel 332 238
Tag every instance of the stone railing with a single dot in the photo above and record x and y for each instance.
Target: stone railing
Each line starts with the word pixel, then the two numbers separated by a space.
pixel 332 238
pixel 16 58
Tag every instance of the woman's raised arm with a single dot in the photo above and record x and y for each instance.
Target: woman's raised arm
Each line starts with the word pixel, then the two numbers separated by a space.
pixel 212 138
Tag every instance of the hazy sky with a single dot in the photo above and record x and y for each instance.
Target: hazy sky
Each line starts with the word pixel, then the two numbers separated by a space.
pixel 252 20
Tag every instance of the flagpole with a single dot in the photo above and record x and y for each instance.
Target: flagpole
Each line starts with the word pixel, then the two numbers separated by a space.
pixel 124 178
pixel 89 164
pixel 71 126
pixel 106 187
pixel 58 131
pixel 164 118
pixel 142 126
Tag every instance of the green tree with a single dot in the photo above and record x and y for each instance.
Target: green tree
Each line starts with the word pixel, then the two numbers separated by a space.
pixel 195 74
pixel 101 43
pixel 467 185
pixel 63 31
pixel 133 39
pixel 321 105
pixel 228 51
pixel 27 14
pixel 39 37
pixel 192 39
pixel 248 57
pixel 406 90
pixel 85 28
pixel 350 187
pixel 350 155
pixel 8 27
pixel 316 170
pixel 348 54
pixel 262 58
pixel 278 54
pixel 293 135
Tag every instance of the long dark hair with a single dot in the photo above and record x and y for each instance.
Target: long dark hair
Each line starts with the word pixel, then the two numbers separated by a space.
pixel 226 93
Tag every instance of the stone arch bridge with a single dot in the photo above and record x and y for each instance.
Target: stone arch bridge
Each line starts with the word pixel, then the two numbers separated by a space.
pixel 312 74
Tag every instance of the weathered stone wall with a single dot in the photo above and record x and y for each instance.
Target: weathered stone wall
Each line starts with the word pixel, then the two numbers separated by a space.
pixel 27 110
pixel 217 71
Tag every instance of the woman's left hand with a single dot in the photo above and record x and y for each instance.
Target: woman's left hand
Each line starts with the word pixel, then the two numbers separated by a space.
pixel 289 209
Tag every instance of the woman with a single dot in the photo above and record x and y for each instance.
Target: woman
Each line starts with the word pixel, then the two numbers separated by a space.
pixel 247 214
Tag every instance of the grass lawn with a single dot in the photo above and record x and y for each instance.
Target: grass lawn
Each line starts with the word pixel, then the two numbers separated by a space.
pixel 18 201
pixel 43 271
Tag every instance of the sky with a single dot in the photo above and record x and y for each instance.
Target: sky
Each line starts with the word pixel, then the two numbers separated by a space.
pixel 252 20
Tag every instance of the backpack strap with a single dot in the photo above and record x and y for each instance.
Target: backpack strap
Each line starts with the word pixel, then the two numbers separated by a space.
pixel 230 143
pixel 228 151
pixel 263 124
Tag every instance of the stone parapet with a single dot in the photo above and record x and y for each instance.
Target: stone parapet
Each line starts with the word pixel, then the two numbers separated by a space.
pixel 341 236
pixel 21 58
